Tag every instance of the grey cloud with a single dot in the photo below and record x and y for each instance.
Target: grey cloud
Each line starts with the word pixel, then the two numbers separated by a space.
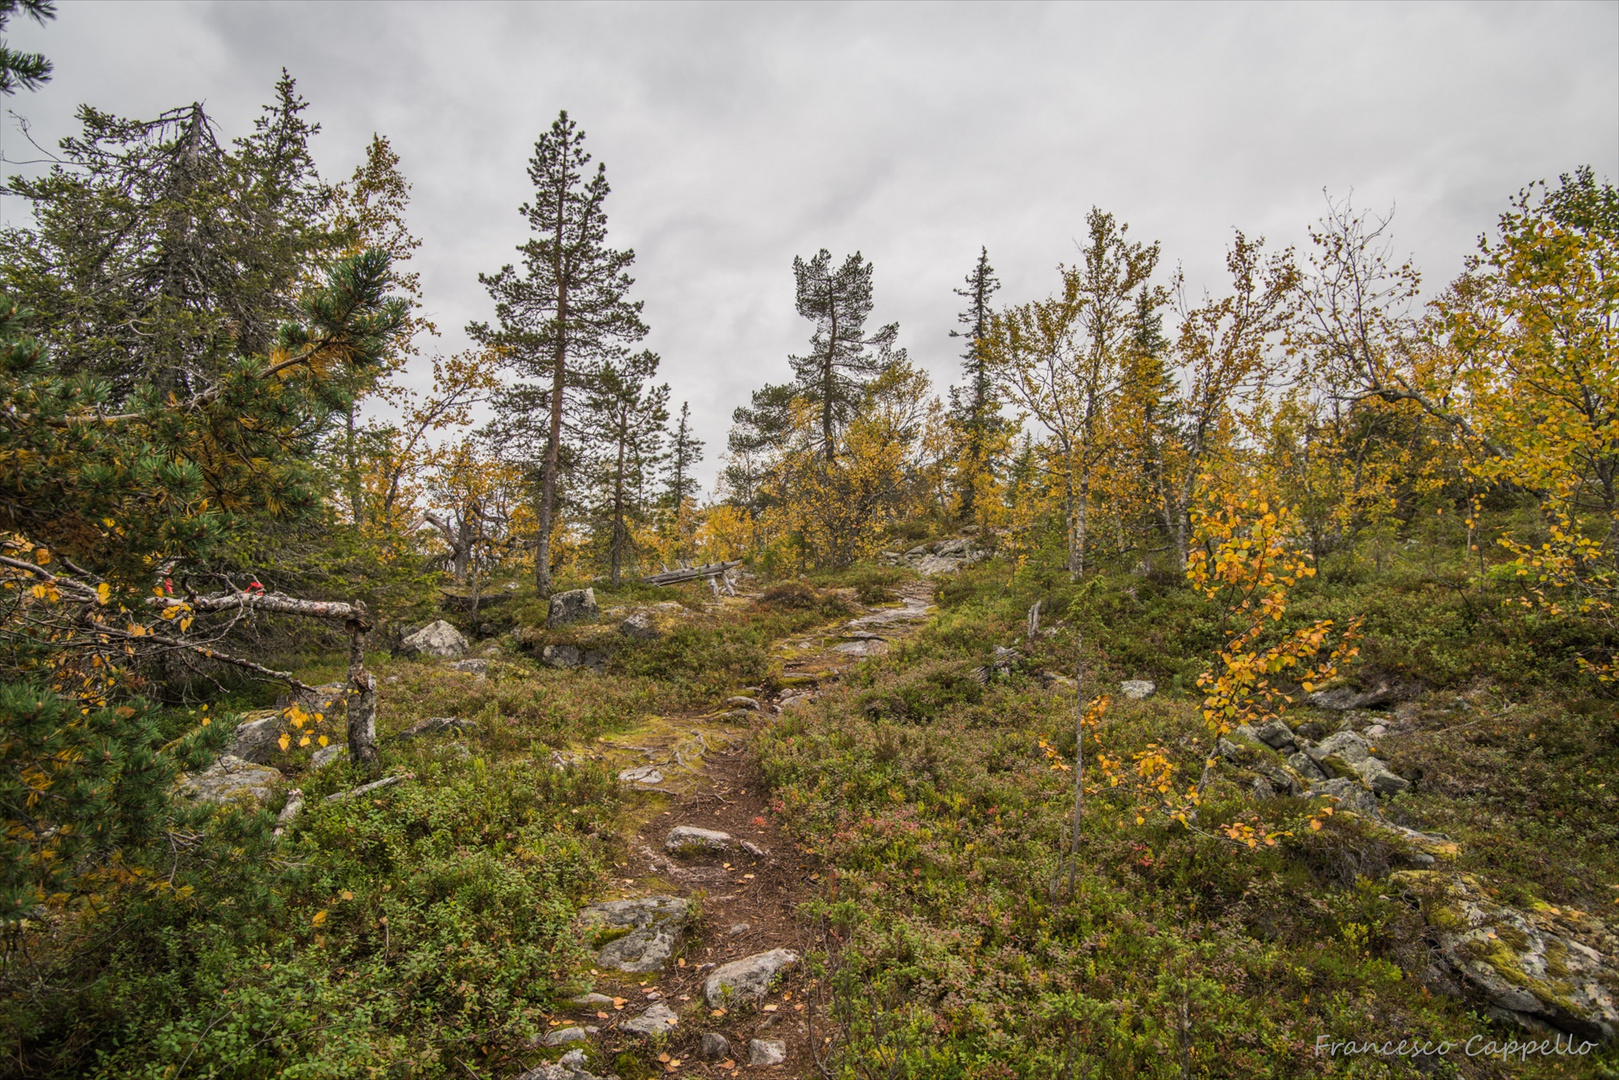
pixel 739 136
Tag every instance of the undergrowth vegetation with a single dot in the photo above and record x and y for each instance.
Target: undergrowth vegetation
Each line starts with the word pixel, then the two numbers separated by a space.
pixel 959 943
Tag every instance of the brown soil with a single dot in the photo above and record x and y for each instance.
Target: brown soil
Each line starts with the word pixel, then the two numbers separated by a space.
pixel 749 904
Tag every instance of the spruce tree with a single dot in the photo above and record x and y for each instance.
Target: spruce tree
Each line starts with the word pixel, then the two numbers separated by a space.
pixel 974 408
pixel 685 454
pixel 157 255
pixel 565 313
pixel 841 360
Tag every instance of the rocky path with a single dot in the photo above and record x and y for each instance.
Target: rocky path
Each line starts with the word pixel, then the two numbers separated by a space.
pixel 699 951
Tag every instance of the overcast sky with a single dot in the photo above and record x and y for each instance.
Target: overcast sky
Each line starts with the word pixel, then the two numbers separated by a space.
pixel 738 136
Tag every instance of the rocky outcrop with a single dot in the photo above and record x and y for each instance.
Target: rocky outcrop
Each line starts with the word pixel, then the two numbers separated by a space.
pixel 746 981
pixel 1546 967
pixel 1137 689
pixel 637 935
pixel 1342 766
pixel 438 639
pixel 940 557
pixel 231 780
pixel 571 606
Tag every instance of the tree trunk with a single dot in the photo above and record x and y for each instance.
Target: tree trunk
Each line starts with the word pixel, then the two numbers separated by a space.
pixel 1082 519
pixel 463 546
pixel 616 552
pixel 362 704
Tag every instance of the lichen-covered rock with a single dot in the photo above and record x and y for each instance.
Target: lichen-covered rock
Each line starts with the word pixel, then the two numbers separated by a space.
pixel 657 1020
pixel 471 667
pixel 570 1066
pixel 649 929
pixel 767 1052
pixel 560 656
pixel 571 606
pixel 1137 689
pixel 746 981
pixel 1348 794
pixel 1305 766
pixel 1344 698
pixel 1344 744
pixel 564 1036
pixel 715 1046
pixel 742 702
pixel 1276 735
pixel 257 739
pixel 326 755
pixel 1376 774
pixel 690 841
pixel 1547 966
pixel 436 639
pixel 640 625
pixel 231 780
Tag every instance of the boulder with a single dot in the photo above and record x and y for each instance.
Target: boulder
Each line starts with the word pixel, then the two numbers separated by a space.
pixel 436 639
pixel 649 927
pixel 571 606
pixel 231 780
pixel 741 702
pixel 564 1036
pixel 1344 744
pixel 1347 794
pixel 746 981
pixel 692 842
pixel 570 1066
pixel 256 740
pixel 1305 766
pixel 1137 689
pixel 715 1046
pixel 560 656
pixel 689 840
pixel 767 1052
pixel 640 625
pixel 957 548
pixel 658 1020
pixel 1276 735
pixel 326 755
pixel 1380 778
pixel 1542 967
pixel 471 667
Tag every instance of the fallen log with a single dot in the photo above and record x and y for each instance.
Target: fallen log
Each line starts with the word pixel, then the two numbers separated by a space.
pixel 691 573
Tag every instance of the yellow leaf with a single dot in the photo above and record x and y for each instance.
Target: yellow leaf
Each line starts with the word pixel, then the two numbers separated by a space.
pixel 304 741
pixel 284 741
pixel 322 740
pixel 318 919
pixel 103 591
pixel 42 557
pixel 347 895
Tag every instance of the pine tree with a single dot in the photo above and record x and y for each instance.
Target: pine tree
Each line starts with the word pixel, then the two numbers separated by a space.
pixel 974 408
pixel 841 360
pixel 19 69
pixel 567 311
pixel 626 435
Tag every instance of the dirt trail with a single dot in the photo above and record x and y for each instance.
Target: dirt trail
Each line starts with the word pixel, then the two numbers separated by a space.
pixel 701 771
